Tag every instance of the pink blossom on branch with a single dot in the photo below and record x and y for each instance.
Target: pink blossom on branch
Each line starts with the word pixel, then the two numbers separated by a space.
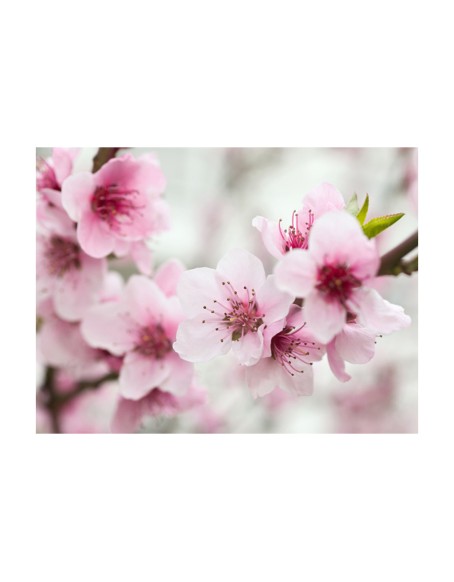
pixel 50 175
pixel 118 204
pixel 228 308
pixel 141 326
pixel 67 274
pixel 287 358
pixel 332 277
pixel 279 240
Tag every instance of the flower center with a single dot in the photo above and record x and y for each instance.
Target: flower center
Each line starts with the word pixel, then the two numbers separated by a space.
pixel 293 237
pixel 292 351
pixel 62 256
pixel 153 342
pixel 337 282
pixel 115 205
pixel 237 315
pixel 45 176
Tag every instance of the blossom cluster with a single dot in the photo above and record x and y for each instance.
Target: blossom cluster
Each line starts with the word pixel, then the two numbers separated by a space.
pixel 143 336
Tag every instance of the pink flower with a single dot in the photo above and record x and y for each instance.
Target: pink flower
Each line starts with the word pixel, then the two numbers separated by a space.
pixel 119 203
pixel 228 308
pixel 279 241
pixel 332 276
pixel 50 175
pixel 354 344
pixel 287 357
pixel 60 344
pixel 67 274
pixel 129 414
pixel 141 326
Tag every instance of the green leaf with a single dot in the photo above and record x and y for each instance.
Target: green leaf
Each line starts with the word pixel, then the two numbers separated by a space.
pixel 361 216
pixel 352 205
pixel 378 225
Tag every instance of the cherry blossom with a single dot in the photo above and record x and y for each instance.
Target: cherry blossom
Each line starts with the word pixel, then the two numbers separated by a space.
pixel 50 175
pixel 289 351
pixel 67 274
pixel 279 240
pixel 228 308
pixel 118 204
pixel 141 326
pixel 332 278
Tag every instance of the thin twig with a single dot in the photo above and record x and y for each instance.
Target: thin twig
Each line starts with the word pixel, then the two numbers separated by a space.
pixel 391 262
pixel 102 157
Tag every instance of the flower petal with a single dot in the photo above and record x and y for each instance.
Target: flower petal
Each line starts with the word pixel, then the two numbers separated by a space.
pixel 76 194
pixel 145 300
pixel 109 326
pixel 140 374
pixel 242 268
pixel 356 344
pixel 168 275
pixel 93 237
pixel 196 288
pixel 199 342
pixel 337 238
pixel 271 236
pixel 296 273
pixel 273 302
pixel 323 198
pixel 249 348
pixel 180 377
pixel 378 314
pixel 336 363
pixel 324 318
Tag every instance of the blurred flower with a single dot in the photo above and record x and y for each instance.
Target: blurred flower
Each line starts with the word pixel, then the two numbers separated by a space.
pixel 142 326
pixel 67 274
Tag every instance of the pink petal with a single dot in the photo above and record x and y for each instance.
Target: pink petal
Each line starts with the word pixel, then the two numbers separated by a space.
pixel 142 255
pixel 378 314
pixel 271 236
pixel 273 303
pixel 296 273
pixel 168 275
pixel 337 237
pixel 198 287
pixel 93 236
pixel 249 348
pixel 199 342
pixel 142 174
pixel 180 377
pixel 109 326
pixel 146 302
pixel 63 164
pixel 242 268
pixel 261 378
pixel 324 318
pixel 76 194
pixel 336 363
pixel 355 344
pixel 140 374
pixel 128 416
pixel 300 384
pixel 323 198
pixel 77 290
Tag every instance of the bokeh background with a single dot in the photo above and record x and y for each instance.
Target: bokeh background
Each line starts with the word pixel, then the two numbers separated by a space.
pixel 214 193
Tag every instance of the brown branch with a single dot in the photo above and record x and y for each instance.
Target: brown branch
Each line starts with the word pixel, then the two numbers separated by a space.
pixel 50 398
pixel 83 386
pixel 392 263
pixel 103 156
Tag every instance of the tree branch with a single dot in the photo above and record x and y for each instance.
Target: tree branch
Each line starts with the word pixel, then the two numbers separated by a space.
pixel 392 263
pixel 50 398
pixel 83 386
pixel 103 156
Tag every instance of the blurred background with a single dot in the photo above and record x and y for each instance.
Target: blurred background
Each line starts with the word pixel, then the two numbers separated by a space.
pixel 214 193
